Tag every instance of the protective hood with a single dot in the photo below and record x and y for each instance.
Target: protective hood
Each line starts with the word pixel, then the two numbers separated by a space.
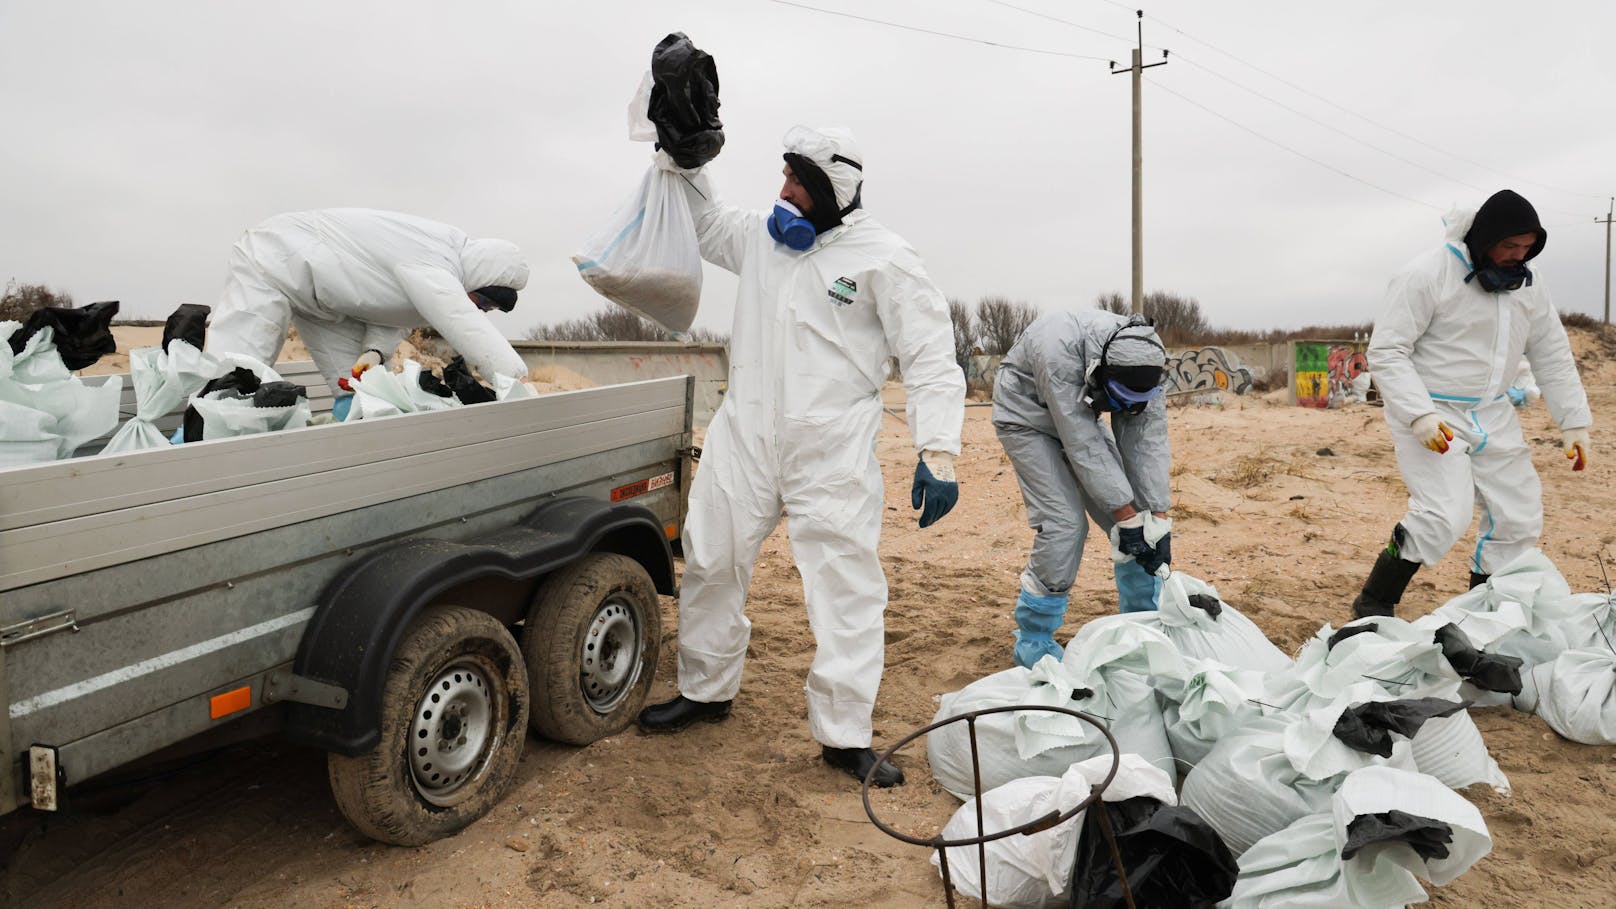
pixel 1505 214
pixel 492 263
pixel 833 150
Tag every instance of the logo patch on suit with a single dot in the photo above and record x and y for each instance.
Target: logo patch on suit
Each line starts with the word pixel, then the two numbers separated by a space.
pixel 843 291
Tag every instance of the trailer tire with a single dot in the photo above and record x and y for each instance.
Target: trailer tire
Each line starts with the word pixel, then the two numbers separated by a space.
pixel 454 721
pixel 591 641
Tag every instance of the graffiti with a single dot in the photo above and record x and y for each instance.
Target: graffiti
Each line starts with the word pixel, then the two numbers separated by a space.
pixel 1207 368
pixel 1347 362
pixel 1329 374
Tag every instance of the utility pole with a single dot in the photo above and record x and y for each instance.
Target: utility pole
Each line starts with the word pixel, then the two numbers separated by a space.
pixel 1138 69
pixel 1608 211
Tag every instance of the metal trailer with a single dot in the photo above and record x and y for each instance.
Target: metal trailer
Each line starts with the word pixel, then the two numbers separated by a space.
pixel 410 594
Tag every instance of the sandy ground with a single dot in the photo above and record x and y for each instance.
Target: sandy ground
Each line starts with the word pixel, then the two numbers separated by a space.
pixel 745 813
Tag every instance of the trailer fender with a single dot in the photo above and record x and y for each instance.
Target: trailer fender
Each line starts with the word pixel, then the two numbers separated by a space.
pixel 363 614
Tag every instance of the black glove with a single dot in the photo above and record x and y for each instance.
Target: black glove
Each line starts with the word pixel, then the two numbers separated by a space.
pixel 1131 542
pixel 1164 551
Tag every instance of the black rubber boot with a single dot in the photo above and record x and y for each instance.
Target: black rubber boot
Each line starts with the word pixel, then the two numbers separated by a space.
pixel 1387 581
pixel 674 715
pixel 1477 579
pixel 858 761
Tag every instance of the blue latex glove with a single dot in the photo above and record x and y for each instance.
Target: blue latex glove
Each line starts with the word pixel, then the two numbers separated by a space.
pixel 1517 396
pixel 341 406
pixel 932 496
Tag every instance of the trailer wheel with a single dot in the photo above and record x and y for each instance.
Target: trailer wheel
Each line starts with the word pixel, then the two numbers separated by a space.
pixel 454 720
pixel 591 642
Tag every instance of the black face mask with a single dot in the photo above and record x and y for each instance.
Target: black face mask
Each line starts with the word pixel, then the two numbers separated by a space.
pixel 1500 279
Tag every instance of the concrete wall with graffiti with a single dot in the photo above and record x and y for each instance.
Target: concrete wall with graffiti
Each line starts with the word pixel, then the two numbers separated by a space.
pixel 1329 373
pixel 1207 369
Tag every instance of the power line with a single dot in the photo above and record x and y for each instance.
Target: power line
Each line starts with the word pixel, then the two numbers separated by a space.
pixel 1283 81
pixel 927 31
pixel 1030 12
pixel 1306 157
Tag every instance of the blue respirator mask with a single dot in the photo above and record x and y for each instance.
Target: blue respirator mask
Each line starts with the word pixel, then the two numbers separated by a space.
pixel 788 226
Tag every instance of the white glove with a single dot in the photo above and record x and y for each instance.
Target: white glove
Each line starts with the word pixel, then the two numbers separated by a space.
pixel 1578 447
pixel 366 360
pixel 941 465
pixel 664 161
pixel 1430 431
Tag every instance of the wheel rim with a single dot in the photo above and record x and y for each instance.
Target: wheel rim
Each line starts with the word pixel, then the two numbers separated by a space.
pixel 452 734
pixel 611 655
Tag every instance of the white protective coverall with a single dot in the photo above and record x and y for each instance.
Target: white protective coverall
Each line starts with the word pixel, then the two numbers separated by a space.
pixel 355 279
pixel 1447 347
pixel 809 351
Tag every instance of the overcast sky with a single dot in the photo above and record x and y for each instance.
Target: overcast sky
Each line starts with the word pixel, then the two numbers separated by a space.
pixel 137 140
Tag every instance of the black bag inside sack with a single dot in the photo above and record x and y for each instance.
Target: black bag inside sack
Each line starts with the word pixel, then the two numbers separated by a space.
pixel 457 375
pixel 1428 838
pixel 82 336
pixel 433 385
pixel 240 382
pixel 188 323
pixel 277 394
pixel 1207 603
pixel 1349 631
pixel 1173 858
pixel 684 102
pixel 1369 727
pixel 1487 671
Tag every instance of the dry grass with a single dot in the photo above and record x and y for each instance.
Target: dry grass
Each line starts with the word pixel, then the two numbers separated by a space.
pixel 1183 512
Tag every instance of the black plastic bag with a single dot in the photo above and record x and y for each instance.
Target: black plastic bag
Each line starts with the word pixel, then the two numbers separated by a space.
pixel 1487 671
pixel 1173 858
pixel 278 394
pixel 684 102
pixel 1369 727
pixel 457 375
pixel 1428 838
pixel 188 323
pixel 240 382
pixel 433 385
pixel 1207 603
pixel 82 336
pixel 1348 632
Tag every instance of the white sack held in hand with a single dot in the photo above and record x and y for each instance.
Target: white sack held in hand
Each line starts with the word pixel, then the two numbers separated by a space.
pixel 646 259
pixel 162 380
pixel 1436 836
pixel 1201 625
pixel 46 412
pixel 1034 872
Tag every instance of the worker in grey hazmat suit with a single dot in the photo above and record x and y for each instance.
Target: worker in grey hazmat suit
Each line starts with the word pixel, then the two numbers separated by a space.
pixel 827 296
pixel 1064 373
pixel 355 280
pixel 1445 350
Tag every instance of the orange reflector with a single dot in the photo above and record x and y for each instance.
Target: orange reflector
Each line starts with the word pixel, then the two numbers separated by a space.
pixel 230 702
pixel 672 531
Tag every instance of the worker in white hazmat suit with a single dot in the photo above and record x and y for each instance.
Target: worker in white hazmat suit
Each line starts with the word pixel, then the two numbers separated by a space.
pixel 1444 352
pixel 827 296
pixel 355 280
pixel 1064 373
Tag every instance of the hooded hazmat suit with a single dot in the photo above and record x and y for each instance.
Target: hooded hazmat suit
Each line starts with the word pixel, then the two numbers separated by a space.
pixel 1069 462
pixel 796 433
pixel 1448 347
pixel 354 279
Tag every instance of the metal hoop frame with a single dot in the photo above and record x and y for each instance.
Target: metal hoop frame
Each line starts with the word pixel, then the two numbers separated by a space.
pixel 982 837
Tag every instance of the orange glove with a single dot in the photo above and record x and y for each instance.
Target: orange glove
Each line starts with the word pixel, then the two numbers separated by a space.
pixel 1430 431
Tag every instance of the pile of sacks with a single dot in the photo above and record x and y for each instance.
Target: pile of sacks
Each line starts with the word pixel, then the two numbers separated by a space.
pixel 1330 777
